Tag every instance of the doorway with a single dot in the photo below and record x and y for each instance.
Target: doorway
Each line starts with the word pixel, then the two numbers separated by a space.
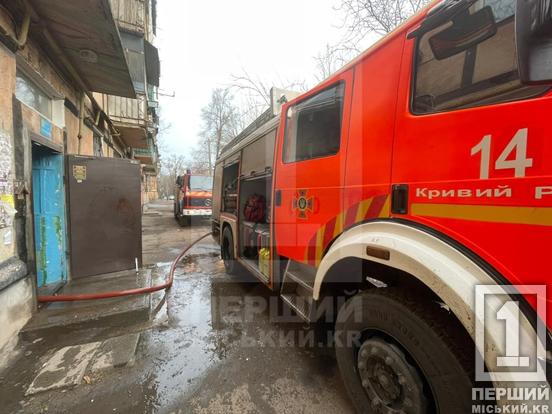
pixel 49 217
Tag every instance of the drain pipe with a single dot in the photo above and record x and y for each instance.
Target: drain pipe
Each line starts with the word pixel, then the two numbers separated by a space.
pixel 24 32
pixel 81 123
pixel 116 294
pixel 19 39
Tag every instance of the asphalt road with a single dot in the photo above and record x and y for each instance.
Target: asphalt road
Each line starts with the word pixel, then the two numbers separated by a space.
pixel 216 344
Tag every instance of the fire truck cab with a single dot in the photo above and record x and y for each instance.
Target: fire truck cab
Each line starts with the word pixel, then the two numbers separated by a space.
pixel 193 197
pixel 416 173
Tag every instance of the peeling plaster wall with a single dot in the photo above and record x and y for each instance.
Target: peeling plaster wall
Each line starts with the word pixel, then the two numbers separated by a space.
pixel 72 127
pixel 87 143
pixel 31 120
pixel 16 290
pixel 7 211
pixel 7 202
pixel 38 60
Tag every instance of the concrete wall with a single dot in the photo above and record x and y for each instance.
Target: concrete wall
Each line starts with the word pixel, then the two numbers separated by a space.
pixel 17 306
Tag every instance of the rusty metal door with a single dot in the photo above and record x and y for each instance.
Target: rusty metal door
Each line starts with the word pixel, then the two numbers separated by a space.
pixel 105 215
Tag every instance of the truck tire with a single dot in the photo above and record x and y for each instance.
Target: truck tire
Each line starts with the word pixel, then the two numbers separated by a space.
pixel 185 221
pixel 175 211
pixel 227 252
pixel 397 353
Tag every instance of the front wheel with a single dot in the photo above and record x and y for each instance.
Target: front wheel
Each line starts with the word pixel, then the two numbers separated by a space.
pixel 185 221
pixel 175 210
pixel 401 353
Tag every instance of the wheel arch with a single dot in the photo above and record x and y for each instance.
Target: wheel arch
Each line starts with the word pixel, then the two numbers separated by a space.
pixel 441 268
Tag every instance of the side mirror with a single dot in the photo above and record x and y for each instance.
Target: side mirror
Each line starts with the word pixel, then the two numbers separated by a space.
pixel 179 181
pixel 467 30
pixel 534 41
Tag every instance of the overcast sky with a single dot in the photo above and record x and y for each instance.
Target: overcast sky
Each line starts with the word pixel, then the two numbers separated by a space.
pixel 203 42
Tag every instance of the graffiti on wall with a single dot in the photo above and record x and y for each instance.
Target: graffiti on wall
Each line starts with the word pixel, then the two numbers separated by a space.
pixel 7 206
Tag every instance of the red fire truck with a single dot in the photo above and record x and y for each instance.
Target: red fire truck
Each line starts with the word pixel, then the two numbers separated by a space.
pixel 417 172
pixel 193 197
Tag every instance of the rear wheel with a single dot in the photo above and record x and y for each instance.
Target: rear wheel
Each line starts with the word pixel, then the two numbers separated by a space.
pixel 227 251
pixel 402 354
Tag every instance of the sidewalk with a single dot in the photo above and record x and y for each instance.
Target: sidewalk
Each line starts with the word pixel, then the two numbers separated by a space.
pixel 60 317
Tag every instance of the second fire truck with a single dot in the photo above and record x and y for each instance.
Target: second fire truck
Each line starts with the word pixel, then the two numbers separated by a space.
pixel 193 197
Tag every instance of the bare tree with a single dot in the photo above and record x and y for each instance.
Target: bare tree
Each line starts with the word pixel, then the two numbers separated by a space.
pixel 254 94
pixel 252 86
pixel 330 60
pixel 172 166
pixel 376 16
pixel 219 124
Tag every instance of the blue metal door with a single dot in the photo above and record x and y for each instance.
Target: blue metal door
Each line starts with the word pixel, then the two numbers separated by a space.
pixel 49 216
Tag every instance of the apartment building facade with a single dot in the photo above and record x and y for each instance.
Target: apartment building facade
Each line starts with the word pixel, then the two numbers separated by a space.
pixel 137 119
pixel 74 80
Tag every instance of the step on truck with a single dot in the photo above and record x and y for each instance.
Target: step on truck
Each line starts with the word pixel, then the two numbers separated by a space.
pixel 193 197
pixel 415 184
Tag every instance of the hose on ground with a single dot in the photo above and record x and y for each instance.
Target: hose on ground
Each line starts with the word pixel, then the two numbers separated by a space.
pixel 129 292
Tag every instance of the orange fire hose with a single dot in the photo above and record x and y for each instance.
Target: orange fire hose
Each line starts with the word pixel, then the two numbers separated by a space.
pixel 115 294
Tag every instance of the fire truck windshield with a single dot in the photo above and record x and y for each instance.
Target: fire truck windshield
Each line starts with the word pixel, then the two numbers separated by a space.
pixel 201 183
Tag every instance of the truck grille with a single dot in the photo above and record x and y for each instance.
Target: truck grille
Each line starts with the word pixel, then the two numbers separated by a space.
pixel 200 202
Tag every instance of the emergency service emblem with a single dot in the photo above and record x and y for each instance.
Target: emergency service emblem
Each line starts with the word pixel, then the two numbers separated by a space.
pixel 302 203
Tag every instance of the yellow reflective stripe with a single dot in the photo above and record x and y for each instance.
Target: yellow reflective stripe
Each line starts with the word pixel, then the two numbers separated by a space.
pixel 538 216
pixel 339 224
pixel 363 209
pixel 386 208
pixel 319 241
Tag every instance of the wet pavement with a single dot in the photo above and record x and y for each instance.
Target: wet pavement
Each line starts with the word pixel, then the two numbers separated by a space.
pixel 215 344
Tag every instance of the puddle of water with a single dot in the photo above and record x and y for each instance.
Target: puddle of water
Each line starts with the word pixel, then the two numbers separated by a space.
pixel 185 345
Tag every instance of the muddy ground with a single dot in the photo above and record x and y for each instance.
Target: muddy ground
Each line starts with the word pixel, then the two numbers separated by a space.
pixel 215 344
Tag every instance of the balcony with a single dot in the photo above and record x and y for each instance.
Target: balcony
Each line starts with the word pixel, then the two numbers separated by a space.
pixel 126 111
pixel 146 156
pixel 130 15
pixel 130 117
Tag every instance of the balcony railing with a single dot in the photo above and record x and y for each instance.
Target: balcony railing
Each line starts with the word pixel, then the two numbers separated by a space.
pixel 147 156
pixel 131 112
pixel 143 152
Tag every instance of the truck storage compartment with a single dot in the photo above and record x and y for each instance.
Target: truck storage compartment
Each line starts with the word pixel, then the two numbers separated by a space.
pixel 255 206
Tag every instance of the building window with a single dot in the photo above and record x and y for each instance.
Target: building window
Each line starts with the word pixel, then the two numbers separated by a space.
pixel 28 93
pixel 313 127
pixel 484 74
